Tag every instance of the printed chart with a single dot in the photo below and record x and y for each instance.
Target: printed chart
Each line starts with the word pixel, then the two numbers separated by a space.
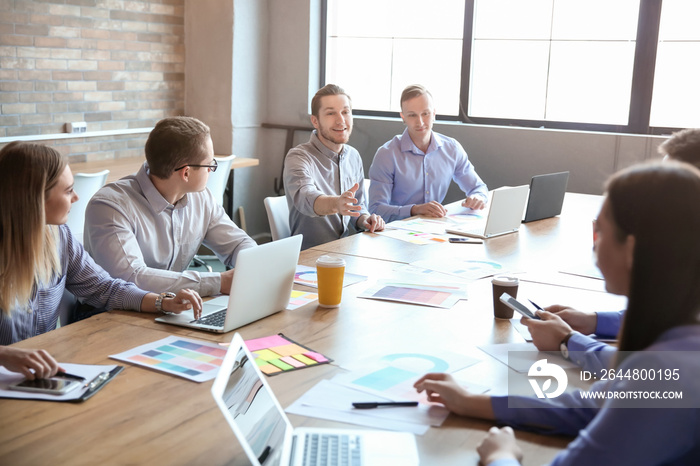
pixel 192 359
pixel 444 296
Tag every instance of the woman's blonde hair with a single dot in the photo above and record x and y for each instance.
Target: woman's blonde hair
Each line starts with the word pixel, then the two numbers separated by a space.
pixel 28 247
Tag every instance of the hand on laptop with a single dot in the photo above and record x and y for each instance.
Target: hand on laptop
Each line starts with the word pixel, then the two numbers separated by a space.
pixel 184 300
pixel 474 203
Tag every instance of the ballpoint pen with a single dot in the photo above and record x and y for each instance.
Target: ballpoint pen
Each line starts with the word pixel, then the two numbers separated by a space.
pixel 388 404
pixel 539 308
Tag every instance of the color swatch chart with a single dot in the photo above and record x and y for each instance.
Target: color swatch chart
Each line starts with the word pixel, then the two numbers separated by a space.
pixel 434 295
pixel 276 354
pixel 192 359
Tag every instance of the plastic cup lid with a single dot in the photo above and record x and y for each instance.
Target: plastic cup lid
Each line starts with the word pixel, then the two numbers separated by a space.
pixel 505 280
pixel 330 261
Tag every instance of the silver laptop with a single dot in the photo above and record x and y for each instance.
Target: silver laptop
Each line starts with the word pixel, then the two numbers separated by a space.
pixel 268 438
pixel 262 285
pixel 505 214
pixel 546 196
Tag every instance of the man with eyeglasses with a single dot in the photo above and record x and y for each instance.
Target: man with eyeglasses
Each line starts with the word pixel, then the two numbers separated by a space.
pixel 147 227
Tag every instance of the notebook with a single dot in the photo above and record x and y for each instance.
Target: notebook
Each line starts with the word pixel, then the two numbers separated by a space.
pixel 546 196
pixel 505 214
pixel 268 438
pixel 262 285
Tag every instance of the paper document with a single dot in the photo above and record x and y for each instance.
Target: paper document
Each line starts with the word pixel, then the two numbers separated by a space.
pixel 424 294
pixel 332 401
pixel 192 359
pixel 300 298
pixel 464 269
pixel 523 355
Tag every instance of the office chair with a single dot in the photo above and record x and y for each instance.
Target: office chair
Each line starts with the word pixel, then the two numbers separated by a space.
pixel 278 216
pixel 217 185
pixel 85 186
pixel 218 179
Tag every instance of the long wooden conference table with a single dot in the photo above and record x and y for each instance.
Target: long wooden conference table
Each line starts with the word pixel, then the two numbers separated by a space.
pixel 147 417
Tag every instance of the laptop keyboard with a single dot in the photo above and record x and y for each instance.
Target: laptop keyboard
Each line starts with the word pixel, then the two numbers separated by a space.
pixel 332 450
pixel 215 319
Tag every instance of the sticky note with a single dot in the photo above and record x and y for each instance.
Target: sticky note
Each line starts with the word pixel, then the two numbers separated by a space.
pixel 288 350
pixel 281 364
pixel 304 359
pixel 269 369
pixel 292 362
pixel 266 342
pixel 267 355
pixel 315 356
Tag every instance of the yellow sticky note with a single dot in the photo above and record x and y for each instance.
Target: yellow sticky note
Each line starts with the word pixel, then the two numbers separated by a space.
pixel 266 355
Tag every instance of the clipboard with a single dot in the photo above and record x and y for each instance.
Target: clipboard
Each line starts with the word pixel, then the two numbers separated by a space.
pixel 96 377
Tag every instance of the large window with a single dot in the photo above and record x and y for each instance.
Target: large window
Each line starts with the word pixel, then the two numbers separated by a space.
pixel 622 65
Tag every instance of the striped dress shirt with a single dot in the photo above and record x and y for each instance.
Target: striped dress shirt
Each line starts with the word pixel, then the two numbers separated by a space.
pixel 81 276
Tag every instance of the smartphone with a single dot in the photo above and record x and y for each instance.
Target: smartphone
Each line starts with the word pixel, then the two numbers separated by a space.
pixel 53 386
pixel 465 240
pixel 517 306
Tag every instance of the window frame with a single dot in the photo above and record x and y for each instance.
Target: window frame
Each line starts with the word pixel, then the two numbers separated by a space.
pixel 648 24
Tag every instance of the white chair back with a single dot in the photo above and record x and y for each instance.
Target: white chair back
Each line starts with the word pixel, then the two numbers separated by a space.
pixel 218 179
pixel 85 186
pixel 278 216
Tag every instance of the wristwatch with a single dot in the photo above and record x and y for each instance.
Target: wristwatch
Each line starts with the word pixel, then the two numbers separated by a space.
pixel 160 298
pixel 563 346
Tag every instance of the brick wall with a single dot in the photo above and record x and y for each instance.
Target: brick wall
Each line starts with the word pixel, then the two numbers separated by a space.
pixel 115 64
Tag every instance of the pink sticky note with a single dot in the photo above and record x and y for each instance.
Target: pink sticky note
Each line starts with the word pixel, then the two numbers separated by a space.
pixel 316 356
pixel 266 342
pixel 292 362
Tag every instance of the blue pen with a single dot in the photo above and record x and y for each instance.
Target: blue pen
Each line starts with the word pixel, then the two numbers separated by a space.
pixel 536 305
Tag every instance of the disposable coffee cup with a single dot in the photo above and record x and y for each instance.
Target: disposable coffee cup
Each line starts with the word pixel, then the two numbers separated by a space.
pixel 330 271
pixel 503 284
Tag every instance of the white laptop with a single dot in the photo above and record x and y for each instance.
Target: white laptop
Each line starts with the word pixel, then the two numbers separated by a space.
pixel 268 438
pixel 505 214
pixel 262 285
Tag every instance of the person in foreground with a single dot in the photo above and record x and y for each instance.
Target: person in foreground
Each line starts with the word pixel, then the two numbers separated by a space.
pixel 324 178
pixel 572 328
pixel 147 227
pixel 39 259
pixel 661 329
pixel 410 174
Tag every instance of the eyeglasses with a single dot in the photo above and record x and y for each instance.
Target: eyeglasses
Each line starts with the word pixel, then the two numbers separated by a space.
pixel 212 168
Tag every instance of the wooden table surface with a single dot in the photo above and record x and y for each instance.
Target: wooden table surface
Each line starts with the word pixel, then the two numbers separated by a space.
pixel 144 416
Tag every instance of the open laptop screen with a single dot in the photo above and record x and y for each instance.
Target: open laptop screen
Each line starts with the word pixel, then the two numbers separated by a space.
pixel 254 411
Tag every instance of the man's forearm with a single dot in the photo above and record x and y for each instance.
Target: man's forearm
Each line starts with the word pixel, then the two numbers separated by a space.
pixel 326 205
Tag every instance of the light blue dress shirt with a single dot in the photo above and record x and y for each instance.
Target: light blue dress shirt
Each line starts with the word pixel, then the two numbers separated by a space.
pixel 403 176
pixel 79 275
pixel 136 234
pixel 614 434
pixel 593 355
